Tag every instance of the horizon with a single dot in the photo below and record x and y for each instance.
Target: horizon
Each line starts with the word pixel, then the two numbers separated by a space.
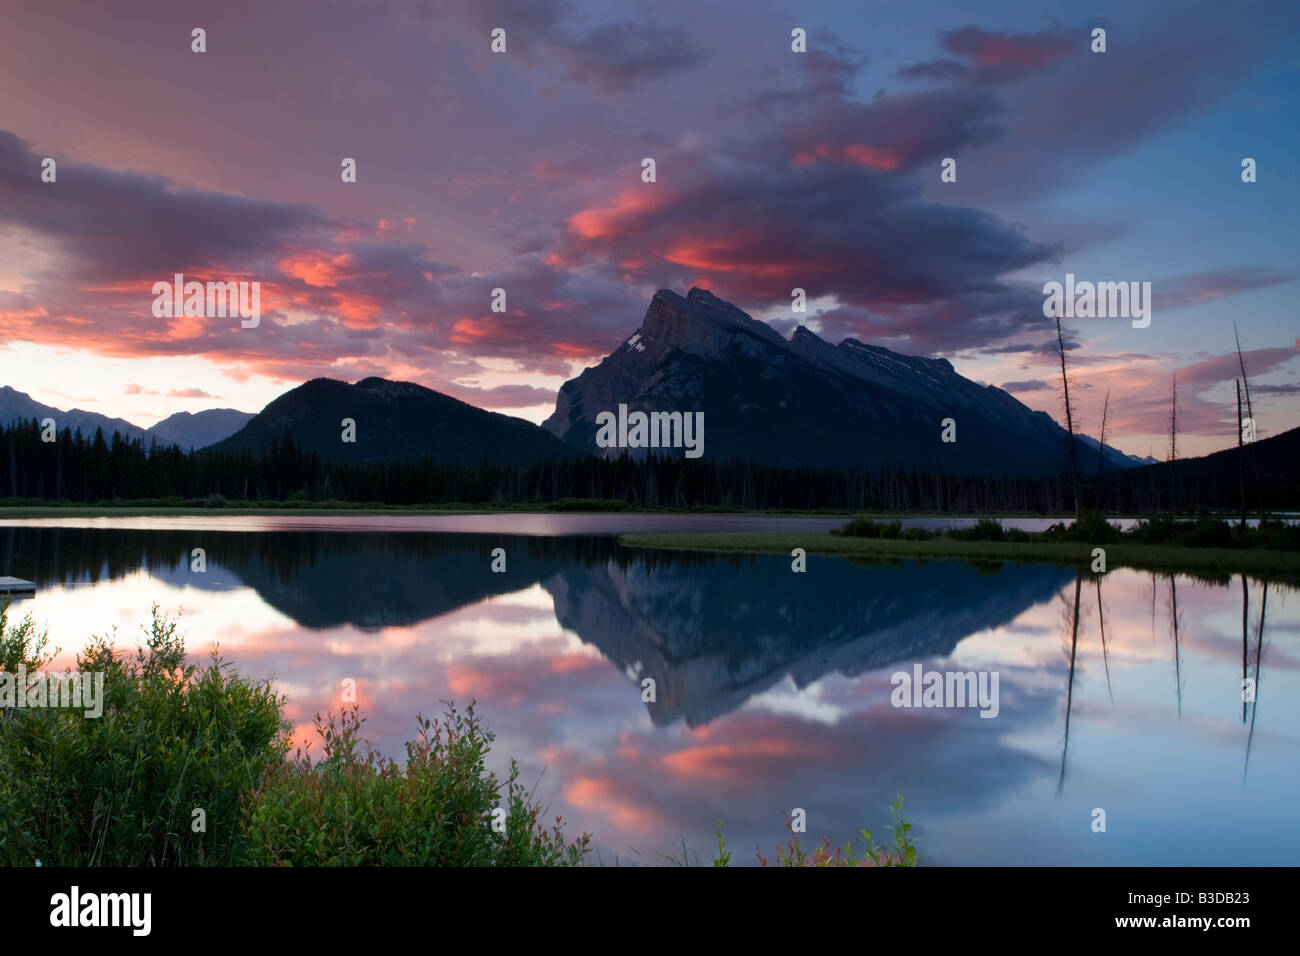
pixel 523 171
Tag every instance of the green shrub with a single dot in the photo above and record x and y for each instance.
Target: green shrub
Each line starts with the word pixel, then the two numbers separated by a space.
pixel 589 504
pixel 985 529
pixel 867 528
pixel 21 644
pixel 1207 532
pixel 121 789
pixel 353 810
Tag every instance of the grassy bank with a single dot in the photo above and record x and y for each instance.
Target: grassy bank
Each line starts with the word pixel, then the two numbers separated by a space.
pixel 1206 562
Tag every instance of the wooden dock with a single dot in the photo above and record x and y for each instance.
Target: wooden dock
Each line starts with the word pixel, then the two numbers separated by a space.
pixel 16 586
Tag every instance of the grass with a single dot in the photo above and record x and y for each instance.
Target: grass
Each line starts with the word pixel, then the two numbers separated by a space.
pixel 793 853
pixel 1147 547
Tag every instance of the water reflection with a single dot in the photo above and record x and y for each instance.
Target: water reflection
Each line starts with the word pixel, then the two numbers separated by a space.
pixel 772 687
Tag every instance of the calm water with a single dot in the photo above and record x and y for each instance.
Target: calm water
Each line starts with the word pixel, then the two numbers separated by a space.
pixel 773 688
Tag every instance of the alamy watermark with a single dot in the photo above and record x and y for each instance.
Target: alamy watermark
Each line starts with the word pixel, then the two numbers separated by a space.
pixel 923 688
pixel 72 689
pixel 651 430
pixel 1101 300
pixel 75 909
pixel 213 300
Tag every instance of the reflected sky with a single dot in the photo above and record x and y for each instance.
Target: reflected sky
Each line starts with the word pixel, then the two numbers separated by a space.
pixel 773 688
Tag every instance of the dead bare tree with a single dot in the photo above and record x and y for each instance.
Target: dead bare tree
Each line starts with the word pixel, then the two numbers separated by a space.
pixel 1101 442
pixel 1069 687
pixel 1250 413
pixel 1173 446
pixel 1069 420
pixel 1241 460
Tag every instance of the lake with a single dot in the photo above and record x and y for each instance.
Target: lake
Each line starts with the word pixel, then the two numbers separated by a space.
pixel 772 689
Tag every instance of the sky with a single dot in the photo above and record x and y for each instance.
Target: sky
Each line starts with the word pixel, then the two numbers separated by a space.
pixel 775 169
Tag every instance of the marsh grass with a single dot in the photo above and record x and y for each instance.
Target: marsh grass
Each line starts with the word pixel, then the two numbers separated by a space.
pixel 120 789
pixel 354 807
pixel 175 737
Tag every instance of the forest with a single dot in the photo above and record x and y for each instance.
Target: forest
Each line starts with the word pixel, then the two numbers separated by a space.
pixel 76 469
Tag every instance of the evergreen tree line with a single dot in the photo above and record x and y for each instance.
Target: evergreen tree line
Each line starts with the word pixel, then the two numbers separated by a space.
pixel 79 469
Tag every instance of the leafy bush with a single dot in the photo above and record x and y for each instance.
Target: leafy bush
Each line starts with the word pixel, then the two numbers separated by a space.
pixel 985 529
pixel 120 789
pixel 867 528
pixel 589 504
pixel 353 810
pixel 1092 528
pixel 20 644
pixel 1207 531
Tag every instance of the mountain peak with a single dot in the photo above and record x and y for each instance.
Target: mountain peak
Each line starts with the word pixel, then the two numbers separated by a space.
pixel 700 322
pixel 802 400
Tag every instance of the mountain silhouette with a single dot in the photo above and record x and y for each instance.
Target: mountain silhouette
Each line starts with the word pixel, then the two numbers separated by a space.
pixel 187 430
pixel 393 420
pixel 805 402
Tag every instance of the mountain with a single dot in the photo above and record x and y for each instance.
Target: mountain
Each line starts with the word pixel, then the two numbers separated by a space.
pixel 1215 480
pixel 393 420
pixel 20 407
pixel 183 429
pixel 201 428
pixel 1113 456
pixel 805 402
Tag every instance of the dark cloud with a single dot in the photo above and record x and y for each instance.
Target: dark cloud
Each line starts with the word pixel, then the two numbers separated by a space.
pixel 943 69
pixel 1276 389
pixel 618 55
pixel 329 286
pixel 611 56
pixel 996 57
pixel 911 267
pixel 1029 385
pixel 113 226
pixel 1208 286
pixel 1044 348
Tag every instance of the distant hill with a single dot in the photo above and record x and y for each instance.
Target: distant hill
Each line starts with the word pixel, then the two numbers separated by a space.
pixel 187 430
pixel 805 402
pixel 200 429
pixel 1214 480
pixel 393 420
pixel 18 406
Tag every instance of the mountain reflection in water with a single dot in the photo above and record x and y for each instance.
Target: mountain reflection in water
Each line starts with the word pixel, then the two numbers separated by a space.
pixel 772 688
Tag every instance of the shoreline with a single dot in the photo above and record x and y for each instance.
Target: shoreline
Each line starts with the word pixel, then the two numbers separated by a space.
pixel 1217 562
pixel 146 510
